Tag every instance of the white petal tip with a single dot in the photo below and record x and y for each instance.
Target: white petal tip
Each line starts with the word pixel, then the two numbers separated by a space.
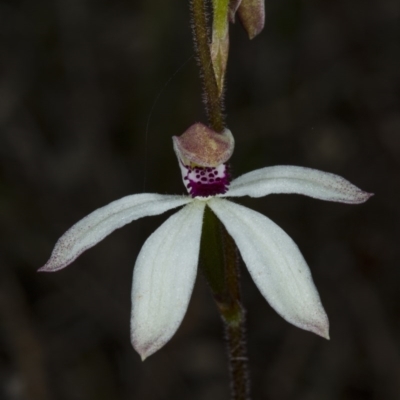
pixel 368 195
pixel 360 197
pixel 322 331
pixel 320 328
pixel 54 265
pixel 146 350
pixel 48 267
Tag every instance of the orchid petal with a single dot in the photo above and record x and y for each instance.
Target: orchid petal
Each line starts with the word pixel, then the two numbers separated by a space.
pixel 100 223
pixel 300 180
pixel 163 279
pixel 275 264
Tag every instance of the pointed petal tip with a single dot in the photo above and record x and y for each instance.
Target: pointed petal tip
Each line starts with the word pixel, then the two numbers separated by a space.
pixel 320 328
pixel 369 195
pixel 323 332
pixel 143 357
pixel 362 197
pixel 54 264
pixel 48 267
pixel 145 350
pixel 142 354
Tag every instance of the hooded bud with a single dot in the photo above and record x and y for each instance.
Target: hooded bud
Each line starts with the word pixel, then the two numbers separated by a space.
pixel 252 16
pixel 233 6
pixel 204 147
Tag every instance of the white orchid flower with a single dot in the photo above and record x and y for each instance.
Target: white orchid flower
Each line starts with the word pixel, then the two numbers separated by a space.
pixel 166 267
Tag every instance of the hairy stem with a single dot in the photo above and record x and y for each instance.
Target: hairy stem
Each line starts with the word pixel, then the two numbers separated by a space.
pixel 220 265
pixel 201 38
pixel 234 319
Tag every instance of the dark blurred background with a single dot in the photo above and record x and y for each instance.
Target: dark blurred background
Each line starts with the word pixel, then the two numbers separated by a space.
pixel 320 87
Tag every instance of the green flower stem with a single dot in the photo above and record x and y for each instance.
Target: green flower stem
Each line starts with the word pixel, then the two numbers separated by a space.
pixel 201 37
pixel 220 266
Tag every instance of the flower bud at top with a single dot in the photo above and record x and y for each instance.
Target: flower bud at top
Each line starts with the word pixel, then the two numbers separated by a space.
pixel 204 147
pixel 252 16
